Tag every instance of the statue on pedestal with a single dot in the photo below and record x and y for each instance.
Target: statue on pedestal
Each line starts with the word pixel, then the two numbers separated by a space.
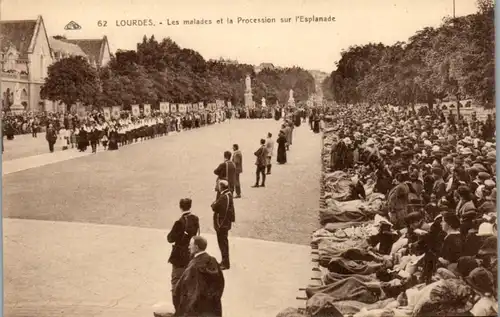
pixel 291 100
pixel 17 107
pixel 17 94
pixel 249 103
pixel 248 83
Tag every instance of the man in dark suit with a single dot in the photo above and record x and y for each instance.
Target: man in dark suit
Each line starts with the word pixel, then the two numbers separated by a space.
pixel 261 163
pixel 51 136
pixel 94 137
pixel 238 163
pixel 225 171
pixel 200 288
pixel 183 230
pixel 224 216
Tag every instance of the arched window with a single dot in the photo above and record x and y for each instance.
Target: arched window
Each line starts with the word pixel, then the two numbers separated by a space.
pixel 11 62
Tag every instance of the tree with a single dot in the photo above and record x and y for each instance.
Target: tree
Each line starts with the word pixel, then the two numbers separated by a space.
pixel 454 60
pixel 71 80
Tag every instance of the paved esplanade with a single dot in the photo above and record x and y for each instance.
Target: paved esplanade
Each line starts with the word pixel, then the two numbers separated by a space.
pixel 101 248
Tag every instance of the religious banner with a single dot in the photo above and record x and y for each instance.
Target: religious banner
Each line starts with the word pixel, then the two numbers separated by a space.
pixel 201 105
pixel 164 107
pixel 135 110
pixel 189 107
pixel 195 107
pixel 219 104
pixel 115 112
pixel 173 108
pixel 107 113
pixel 147 110
pixel 182 108
pixel 229 105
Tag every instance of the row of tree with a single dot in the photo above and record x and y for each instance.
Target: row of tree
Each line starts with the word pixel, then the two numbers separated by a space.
pixel 163 71
pixel 455 61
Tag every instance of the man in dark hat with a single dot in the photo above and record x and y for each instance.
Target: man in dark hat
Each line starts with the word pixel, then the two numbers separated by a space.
pixel 488 254
pixel 439 188
pixel 452 245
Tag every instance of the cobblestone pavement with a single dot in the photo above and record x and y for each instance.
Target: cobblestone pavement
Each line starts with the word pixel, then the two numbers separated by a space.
pixel 139 186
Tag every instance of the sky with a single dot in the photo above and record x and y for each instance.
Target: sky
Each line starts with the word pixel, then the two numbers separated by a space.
pixel 315 45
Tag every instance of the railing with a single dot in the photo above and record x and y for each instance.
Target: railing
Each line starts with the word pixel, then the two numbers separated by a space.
pixel 16 75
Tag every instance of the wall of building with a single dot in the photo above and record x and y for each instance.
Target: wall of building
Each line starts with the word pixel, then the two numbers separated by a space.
pixel 40 59
pixel 106 57
pixel 35 99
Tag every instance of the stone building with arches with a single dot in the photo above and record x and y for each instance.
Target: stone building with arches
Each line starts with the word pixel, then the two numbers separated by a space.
pixel 26 52
pixel 25 55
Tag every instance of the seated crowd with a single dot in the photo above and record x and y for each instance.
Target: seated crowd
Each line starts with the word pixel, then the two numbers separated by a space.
pixel 430 247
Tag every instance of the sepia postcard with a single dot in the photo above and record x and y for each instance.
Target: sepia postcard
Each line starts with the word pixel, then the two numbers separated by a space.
pixel 248 158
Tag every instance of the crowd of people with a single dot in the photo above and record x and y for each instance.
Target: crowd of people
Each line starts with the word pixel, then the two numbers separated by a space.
pixel 94 130
pixel 409 216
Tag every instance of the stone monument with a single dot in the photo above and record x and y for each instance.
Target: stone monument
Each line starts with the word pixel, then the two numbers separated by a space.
pixel 263 102
pixel 17 107
pixel 291 100
pixel 248 93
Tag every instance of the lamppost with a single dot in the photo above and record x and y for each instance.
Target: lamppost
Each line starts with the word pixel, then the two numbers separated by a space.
pixel 453 9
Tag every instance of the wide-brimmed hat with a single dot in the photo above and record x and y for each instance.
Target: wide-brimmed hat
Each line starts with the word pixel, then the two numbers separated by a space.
pixel 483 176
pixel 489 246
pixel 481 280
pixel 466 265
pixel 485 230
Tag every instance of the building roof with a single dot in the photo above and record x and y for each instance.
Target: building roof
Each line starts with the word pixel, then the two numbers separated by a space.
pixel 19 34
pixel 93 48
pixel 65 47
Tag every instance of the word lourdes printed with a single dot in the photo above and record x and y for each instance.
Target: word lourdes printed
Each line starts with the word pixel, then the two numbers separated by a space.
pixel 202 21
